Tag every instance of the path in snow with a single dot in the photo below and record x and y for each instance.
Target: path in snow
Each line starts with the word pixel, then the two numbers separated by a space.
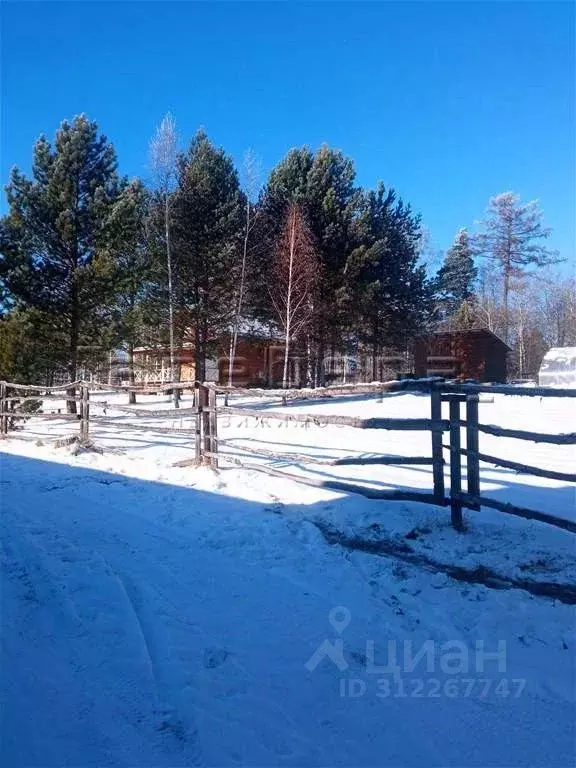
pixel 149 624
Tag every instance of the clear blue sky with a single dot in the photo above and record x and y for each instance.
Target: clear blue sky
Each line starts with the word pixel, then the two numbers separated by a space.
pixel 448 102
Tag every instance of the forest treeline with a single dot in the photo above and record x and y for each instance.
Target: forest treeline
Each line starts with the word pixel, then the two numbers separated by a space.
pixel 91 262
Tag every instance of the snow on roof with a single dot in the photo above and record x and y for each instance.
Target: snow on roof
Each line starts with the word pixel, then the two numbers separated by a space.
pixel 558 368
pixel 251 327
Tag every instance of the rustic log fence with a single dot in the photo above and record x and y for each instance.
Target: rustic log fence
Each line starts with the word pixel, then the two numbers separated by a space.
pixel 455 396
pixel 209 450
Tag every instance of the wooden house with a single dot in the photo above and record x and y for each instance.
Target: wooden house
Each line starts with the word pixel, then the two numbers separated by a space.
pixel 258 362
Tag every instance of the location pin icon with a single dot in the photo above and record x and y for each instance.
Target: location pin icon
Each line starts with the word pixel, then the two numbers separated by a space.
pixel 339 617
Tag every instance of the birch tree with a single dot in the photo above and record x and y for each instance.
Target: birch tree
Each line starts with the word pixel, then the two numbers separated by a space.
pixel 295 280
pixel 251 173
pixel 163 153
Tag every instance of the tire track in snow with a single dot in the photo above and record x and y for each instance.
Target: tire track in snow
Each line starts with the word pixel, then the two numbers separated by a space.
pixel 171 721
pixel 76 609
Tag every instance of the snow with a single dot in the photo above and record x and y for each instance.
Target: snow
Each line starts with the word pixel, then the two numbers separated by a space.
pixel 156 615
pixel 558 368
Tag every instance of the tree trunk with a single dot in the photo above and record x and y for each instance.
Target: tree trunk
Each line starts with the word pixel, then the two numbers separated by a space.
pixel 320 373
pixel 286 357
pixel 231 355
pixel 506 297
pixel 131 374
pixel 73 353
pixel 175 392
pixel 199 353
pixel 308 361
pixel 238 314
pixel 288 323
pixel 375 361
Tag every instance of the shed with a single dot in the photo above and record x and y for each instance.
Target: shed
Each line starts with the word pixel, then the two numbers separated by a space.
pixel 558 368
pixel 466 354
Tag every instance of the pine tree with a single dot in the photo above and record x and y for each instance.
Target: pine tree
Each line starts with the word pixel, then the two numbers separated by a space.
pixel 207 215
pixel 457 276
pixel 465 317
pixel 131 259
pixel 511 239
pixel 386 293
pixel 32 346
pixel 52 239
pixel 322 184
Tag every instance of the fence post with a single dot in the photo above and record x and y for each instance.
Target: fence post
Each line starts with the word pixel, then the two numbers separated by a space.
pixel 203 435
pixel 455 464
pixel 472 459
pixel 213 421
pixel 3 409
pixel 68 391
pixel 82 417
pixel 437 456
pixel 86 398
pixel 198 440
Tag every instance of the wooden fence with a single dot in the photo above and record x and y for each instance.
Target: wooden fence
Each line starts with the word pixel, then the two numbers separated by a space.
pixel 458 397
pixel 210 450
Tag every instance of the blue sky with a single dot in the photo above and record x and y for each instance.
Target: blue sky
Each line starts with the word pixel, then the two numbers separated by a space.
pixel 450 103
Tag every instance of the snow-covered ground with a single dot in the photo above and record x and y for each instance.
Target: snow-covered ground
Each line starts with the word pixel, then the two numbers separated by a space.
pixel 156 615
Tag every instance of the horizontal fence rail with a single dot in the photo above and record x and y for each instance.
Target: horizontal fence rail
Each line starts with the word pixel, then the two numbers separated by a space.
pixel 326 461
pixel 516 511
pixel 335 390
pixel 421 425
pixel 568 438
pixel 209 449
pixel 507 389
pixel 524 469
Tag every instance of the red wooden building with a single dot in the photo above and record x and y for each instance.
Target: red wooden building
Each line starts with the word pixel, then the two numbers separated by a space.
pixel 472 354
pixel 258 362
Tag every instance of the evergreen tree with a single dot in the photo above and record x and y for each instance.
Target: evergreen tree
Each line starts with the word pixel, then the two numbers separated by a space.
pixel 131 259
pixel 52 239
pixel 322 184
pixel 465 317
pixel 386 293
pixel 32 346
pixel 207 216
pixel 457 276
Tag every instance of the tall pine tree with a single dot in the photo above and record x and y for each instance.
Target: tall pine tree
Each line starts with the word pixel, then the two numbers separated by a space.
pixel 207 216
pixel 53 239
pixel 131 260
pixel 385 293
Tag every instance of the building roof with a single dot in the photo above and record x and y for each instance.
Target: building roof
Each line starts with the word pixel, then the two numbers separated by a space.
pixel 472 332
